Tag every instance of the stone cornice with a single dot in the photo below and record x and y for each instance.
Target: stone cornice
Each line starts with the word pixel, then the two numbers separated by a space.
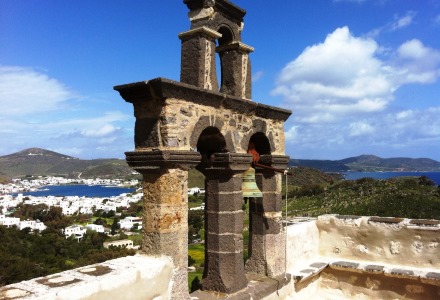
pixel 224 6
pixel 200 31
pixel 162 88
pixel 238 46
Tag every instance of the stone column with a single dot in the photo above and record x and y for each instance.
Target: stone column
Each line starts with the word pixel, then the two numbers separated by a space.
pixel 266 233
pixel 198 65
pixel 236 70
pixel 165 215
pixel 224 266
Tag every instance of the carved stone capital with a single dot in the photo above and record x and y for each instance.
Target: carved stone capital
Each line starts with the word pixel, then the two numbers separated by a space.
pixel 200 31
pixel 237 46
pixel 158 161
pixel 274 161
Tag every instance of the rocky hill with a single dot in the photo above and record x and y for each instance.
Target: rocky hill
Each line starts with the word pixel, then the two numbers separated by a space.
pixel 37 161
pixel 370 163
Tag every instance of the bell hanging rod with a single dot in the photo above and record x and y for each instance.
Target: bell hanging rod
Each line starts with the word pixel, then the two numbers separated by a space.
pixel 273 169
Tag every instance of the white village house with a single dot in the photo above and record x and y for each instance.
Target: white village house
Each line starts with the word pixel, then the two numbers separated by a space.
pixel 129 222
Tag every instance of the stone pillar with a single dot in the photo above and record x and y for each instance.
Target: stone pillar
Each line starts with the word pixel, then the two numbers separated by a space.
pixel 236 70
pixel 198 65
pixel 224 266
pixel 266 233
pixel 165 215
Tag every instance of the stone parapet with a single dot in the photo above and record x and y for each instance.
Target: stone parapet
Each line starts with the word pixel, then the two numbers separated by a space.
pixel 395 241
pixel 132 277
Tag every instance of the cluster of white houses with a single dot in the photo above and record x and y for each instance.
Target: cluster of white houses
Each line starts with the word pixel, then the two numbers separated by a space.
pixel 77 231
pixel 32 224
pixel 71 204
pixel 31 185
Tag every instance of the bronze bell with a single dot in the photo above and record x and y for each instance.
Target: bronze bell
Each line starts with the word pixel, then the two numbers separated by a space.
pixel 249 186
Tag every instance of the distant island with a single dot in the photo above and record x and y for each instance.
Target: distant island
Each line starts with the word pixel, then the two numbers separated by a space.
pixel 370 163
pixel 41 162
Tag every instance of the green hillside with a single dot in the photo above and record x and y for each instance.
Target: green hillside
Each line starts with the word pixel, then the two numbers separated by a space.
pixel 410 197
pixel 36 161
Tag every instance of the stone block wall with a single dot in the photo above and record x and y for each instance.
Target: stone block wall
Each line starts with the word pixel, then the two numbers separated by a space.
pixel 172 115
pixel 387 240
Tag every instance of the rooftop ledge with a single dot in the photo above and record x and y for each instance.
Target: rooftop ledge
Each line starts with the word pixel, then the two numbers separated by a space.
pixel 331 257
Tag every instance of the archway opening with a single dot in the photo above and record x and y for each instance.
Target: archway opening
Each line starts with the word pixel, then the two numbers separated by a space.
pixel 211 141
pixel 260 143
pixel 227 38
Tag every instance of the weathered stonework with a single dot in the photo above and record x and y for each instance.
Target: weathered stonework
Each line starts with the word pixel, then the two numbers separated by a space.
pixel 224 267
pixel 267 240
pixel 198 58
pixel 400 243
pixel 165 217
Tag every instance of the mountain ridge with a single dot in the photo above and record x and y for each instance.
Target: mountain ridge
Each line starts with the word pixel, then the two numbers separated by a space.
pixel 370 163
pixel 38 161
pixel 42 162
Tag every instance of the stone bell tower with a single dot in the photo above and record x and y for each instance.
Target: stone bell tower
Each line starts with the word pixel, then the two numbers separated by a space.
pixel 195 124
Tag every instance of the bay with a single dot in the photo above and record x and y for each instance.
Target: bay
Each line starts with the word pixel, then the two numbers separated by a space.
pixel 434 176
pixel 80 190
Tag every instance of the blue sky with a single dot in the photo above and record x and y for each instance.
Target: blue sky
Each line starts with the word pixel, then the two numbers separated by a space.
pixel 361 76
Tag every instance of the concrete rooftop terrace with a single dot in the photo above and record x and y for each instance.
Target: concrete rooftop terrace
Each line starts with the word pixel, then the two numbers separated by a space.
pixel 331 257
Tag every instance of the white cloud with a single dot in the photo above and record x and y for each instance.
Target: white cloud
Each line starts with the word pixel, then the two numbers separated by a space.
pixel 292 133
pixel 417 63
pixel 104 130
pixel 397 24
pixel 257 76
pixel 25 91
pixel 361 128
pixel 40 111
pixel 403 133
pixel 403 22
pixel 340 76
pixel 345 77
pixel 341 92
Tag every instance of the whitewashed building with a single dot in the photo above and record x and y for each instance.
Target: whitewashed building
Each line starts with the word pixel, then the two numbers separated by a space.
pixel 33 225
pixel 9 221
pixel 76 230
pixel 121 244
pixel 129 222
pixel 95 227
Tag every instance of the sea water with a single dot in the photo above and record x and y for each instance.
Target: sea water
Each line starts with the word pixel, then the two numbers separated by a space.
pixel 434 176
pixel 80 190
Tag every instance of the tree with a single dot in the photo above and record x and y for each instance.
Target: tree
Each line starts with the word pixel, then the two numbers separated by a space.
pixel 426 181
pixel 195 284
pixel 100 221
pixel 115 226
